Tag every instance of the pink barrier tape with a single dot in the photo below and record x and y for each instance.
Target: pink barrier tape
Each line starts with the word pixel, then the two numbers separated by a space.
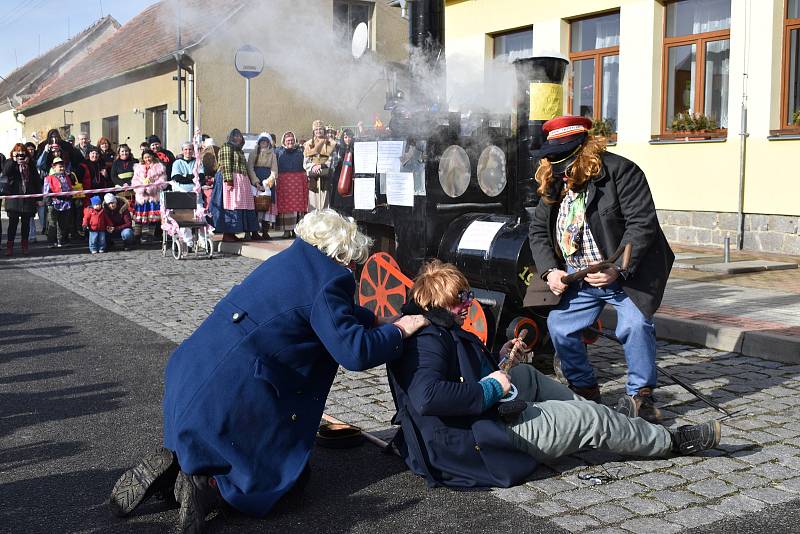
pixel 87 192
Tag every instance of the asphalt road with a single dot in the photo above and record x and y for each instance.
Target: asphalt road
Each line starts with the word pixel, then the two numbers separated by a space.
pixel 80 401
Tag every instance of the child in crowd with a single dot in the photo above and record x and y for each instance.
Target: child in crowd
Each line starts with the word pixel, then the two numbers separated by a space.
pixel 96 222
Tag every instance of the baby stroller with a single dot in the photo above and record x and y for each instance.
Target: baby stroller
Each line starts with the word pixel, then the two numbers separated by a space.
pixel 181 226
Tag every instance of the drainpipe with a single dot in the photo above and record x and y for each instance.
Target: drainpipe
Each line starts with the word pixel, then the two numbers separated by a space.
pixel 190 104
pixel 743 133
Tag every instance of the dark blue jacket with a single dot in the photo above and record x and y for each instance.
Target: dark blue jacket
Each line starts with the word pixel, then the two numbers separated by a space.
pixel 244 394
pixel 447 437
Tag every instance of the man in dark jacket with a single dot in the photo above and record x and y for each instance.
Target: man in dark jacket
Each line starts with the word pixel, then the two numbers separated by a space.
pixel 449 394
pixel 592 203
pixel 118 212
pixel 164 156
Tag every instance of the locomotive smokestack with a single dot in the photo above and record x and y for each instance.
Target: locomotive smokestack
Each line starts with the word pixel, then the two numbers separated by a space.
pixel 539 98
pixel 426 35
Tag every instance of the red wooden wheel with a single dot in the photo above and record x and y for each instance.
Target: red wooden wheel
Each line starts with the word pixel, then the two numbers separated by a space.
pixel 475 322
pixel 382 288
pixel 590 337
pixel 520 324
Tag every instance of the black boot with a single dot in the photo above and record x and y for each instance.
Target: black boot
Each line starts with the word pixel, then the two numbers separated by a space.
pixel 198 496
pixel 265 231
pixel 689 439
pixel 155 473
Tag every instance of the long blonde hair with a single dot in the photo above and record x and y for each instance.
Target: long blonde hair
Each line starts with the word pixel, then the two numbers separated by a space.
pixel 586 166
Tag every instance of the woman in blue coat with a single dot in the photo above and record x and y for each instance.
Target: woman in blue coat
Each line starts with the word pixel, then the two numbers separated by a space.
pixel 244 394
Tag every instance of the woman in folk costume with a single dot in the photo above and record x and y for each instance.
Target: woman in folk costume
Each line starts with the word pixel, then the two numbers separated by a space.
pixel 292 189
pixel 317 152
pixel 147 210
pixel 263 165
pixel 232 208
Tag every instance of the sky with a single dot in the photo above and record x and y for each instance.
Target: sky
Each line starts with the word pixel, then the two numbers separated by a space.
pixel 32 27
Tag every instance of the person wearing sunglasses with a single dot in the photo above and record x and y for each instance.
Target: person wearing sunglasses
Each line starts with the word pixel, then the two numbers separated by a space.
pixel 23 179
pixel 459 426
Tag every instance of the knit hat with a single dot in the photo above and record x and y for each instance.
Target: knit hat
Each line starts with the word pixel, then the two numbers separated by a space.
pixel 564 135
pixel 96 201
pixel 57 160
pixel 317 124
pixel 109 198
pixel 153 139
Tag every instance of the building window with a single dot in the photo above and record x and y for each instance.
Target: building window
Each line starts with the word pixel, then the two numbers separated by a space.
pixel 513 45
pixel 347 16
pixel 111 130
pixel 155 123
pixel 594 55
pixel 790 102
pixel 696 60
pixel 86 128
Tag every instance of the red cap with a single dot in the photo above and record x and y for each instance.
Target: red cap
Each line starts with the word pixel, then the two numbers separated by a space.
pixel 566 126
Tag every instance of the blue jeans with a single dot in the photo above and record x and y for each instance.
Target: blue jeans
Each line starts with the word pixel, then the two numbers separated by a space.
pixel 580 306
pixel 125 234
pixel 97 241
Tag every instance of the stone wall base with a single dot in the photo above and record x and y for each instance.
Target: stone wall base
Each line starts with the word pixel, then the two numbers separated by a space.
pixel 778 234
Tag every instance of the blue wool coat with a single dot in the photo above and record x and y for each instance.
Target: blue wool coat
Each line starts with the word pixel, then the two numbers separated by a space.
pixel 446 435
pixel 244 393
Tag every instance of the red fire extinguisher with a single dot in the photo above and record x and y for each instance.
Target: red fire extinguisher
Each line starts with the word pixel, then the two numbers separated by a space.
pixel 345 185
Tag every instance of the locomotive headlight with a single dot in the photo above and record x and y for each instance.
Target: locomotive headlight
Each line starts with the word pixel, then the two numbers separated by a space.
pixel 454 171
pixel 492 171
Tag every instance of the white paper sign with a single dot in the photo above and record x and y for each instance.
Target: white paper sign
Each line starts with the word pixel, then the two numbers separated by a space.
pixel 364 193
pixel 479 235
pixel 365 157
pixel 400 188
pixel 389 154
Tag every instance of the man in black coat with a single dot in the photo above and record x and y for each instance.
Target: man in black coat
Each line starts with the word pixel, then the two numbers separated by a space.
pixel 592 203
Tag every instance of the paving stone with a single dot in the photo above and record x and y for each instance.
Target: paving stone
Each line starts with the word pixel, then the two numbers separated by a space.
pixel 517 494
pixel 792 485
pixel 770 495
pixel 658 480
pixel 544 508
pixel 676 498
pixel 650 524
pixel 774 471
pixel 581 498
pixel 552 486
pixel 611 530
pixel 723 465
pixel 608 513
pixel 737 505
pixel 694 517
pixel 712 488
pixel 621 488
pixel 575 523
pixel 641 506
pixel 744 480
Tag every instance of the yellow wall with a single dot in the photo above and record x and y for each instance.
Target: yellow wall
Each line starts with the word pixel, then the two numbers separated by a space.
pixel 688 176
pixel 121 101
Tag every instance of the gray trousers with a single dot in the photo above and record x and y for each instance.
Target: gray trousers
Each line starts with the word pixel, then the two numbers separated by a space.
pixel 557 422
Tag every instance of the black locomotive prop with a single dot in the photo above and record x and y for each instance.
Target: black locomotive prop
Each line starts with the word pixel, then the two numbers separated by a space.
pixel 473 181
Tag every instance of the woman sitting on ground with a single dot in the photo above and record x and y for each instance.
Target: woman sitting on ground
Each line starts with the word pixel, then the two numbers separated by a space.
pixel 455 430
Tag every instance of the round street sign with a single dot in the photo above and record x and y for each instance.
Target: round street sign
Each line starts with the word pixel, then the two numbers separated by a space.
pixel 249 61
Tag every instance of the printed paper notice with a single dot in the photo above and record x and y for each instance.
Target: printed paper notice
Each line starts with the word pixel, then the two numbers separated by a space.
pixel 389 154
pixel 364 193
pixel 400 188
pixel 365 157
pixel 479 235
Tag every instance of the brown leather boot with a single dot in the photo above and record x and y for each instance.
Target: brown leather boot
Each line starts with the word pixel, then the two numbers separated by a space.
pixel 24 245
pixel 642 404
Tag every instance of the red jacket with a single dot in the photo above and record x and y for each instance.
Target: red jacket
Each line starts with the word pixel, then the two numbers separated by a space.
pixel 96 220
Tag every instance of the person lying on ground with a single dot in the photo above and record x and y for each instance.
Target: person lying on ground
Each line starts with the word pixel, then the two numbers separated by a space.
pixel 454 430
pixel 244 394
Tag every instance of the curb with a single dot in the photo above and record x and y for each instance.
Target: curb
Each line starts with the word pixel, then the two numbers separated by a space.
pixel 256 252
pixel 758 343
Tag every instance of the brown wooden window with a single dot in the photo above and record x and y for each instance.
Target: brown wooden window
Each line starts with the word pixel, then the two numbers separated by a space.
pixel 790 95
pixel 594 55
pixel 696 62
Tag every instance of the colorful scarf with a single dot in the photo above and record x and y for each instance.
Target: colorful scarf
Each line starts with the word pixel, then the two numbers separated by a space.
pixel 571 238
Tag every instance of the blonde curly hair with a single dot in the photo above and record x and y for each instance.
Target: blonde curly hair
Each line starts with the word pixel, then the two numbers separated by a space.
pixel 335 236
pixel 587 165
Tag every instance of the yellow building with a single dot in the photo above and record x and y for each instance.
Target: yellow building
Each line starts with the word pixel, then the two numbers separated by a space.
pixel 128 88
pixel 670 79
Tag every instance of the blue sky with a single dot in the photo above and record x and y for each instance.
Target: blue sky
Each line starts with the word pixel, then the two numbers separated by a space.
pixel 31 27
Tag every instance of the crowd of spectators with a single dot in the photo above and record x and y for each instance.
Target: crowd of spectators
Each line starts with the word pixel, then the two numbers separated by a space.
pixel 268 189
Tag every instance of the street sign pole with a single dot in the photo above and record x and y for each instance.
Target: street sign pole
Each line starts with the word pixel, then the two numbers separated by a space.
pixel 247 105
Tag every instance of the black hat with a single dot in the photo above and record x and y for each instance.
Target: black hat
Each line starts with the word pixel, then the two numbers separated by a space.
pixel 564 135
pixel 153 139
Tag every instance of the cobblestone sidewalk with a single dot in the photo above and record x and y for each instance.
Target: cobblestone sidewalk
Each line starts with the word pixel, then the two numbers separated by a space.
pixel 757 463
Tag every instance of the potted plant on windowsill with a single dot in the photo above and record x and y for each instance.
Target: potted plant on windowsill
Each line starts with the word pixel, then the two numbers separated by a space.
pixel 693 127
pixel 604 128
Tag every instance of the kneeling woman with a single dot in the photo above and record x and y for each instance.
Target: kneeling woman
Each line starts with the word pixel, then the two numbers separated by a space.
pixel 244 394
pixel 447 387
